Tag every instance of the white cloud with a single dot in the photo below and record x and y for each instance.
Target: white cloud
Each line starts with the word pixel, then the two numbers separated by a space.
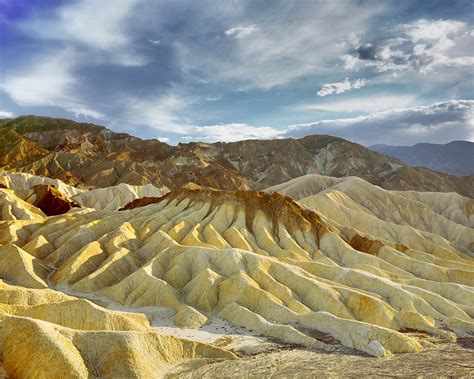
pixel 45 83
pixel 368 104
pixel 85 33
pixel 162 113
pixel 435 123
pixel 166 113
pixel 235 132
pixel 425 30
pixel 352 40
pixel 421 46
pixel 163 139
pixel 6 114
pixel 81 111
pixel 340 87
pixel 240 32
pixel 350 61
pixel 154 41
pixel 49 82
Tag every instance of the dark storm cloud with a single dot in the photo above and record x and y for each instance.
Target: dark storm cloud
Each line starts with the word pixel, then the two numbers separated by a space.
pixel 367 52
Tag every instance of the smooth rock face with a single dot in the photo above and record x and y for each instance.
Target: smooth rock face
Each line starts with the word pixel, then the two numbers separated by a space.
pixel 371 269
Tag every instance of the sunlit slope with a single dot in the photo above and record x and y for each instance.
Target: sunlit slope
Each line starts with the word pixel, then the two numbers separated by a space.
pixel 115 197
pixel 22 184
pixel 46 334
pixel 263 262
pixel 404 217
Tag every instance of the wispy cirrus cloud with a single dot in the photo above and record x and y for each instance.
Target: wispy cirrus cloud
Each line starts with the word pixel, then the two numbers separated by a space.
pixel 50 82
pixel 101 27
pixel 47 82
pixel 82 111
pixel 75 35
pixel 164 113
pixel 280 48
pixel 236 132
pixel 398 123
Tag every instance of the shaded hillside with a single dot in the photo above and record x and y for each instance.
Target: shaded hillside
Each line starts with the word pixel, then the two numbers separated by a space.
pixel 88 155
pixel 455 158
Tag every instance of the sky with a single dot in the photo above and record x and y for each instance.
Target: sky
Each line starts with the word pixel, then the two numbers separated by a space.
pixel 395 72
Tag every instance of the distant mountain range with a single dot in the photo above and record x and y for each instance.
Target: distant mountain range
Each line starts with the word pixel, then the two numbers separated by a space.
pixel 456 158
pixel 92 156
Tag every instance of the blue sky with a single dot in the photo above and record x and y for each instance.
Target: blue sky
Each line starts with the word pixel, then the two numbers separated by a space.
pixel 397 72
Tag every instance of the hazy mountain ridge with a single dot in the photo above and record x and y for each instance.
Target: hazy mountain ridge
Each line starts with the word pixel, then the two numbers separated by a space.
pixel 456 157
pixel 89 155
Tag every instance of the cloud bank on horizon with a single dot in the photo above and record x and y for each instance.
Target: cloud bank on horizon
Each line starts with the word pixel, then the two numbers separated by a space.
pixel 396 72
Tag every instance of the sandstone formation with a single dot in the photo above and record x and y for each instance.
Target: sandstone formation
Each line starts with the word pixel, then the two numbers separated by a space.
pixel 91 156
pixel 379 271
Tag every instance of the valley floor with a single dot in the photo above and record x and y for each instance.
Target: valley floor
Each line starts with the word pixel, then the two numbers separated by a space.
pixel 445 360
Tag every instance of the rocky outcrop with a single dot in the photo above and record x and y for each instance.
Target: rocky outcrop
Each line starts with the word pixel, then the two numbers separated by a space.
pixel 50 200
pixel 141 202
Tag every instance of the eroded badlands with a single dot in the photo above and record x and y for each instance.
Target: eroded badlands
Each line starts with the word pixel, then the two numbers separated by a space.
pixel 309 261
